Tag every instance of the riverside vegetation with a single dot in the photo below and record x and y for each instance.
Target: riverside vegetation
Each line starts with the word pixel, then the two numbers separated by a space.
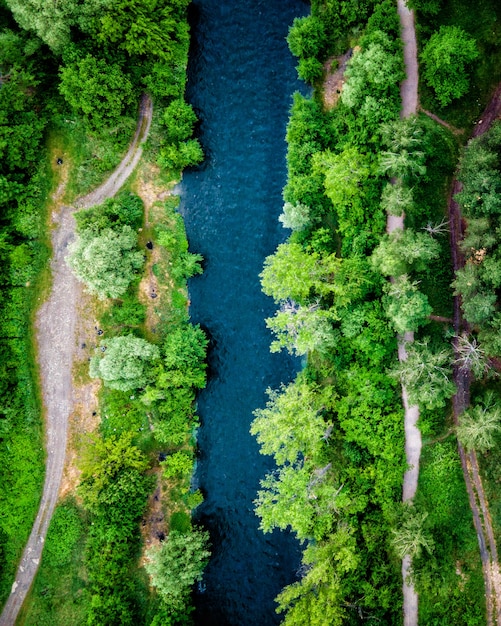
pixel 70 80
pixel 336 432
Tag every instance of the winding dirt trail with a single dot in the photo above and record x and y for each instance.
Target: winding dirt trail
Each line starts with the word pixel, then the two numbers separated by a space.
pixel 55 332
pixel 461 400
pixel 413 442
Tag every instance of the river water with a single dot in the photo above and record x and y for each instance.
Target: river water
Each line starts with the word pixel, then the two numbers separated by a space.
pixel 241 80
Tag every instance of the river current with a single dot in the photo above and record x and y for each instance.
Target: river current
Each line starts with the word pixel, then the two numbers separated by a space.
pixel 241 81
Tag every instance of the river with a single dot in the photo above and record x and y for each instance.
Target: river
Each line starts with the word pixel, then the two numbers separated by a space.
pixel 241 80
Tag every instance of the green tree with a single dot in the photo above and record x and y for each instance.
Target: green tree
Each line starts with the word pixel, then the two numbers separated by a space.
pixel 307 37
pixel 480 425
pixel 445 58
pixel 397 199
pixel 107 263
pixel 411 537
pixel 99 90
pixel 301 329
pixel 177 564
pixel 344 176
pixel 403 251
pixel 112 472
pixel 290 273
pixel 125 363
pixel 470 356
pixel 301 497
pixel 179 119
pixel 292 424
pixel 319 599
pixel 372 78
pixel 181 155
pixel 183 361
pixel 426 375
pixel 405 305
pixel 178 464
pixel 51 21
pixel 295 216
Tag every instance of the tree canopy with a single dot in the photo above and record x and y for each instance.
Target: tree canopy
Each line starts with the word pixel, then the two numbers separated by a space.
pixel 123 362
pixel 446 57
pixel 107 263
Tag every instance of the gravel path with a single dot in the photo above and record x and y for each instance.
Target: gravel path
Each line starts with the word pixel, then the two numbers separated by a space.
pixel 409 94
pixel 55 333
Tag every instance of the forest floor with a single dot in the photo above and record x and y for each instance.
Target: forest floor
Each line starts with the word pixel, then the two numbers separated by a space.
pixel 56 325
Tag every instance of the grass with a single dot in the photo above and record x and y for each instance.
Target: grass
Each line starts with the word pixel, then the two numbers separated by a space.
pixel 449 580
pixel 93 156
pixel 56 598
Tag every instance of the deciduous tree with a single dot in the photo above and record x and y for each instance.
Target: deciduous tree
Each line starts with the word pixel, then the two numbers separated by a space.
pixel 106 263
pixel 125 362
pixel 446 57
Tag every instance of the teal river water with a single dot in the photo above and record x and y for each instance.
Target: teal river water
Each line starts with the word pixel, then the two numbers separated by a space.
pixel 241 81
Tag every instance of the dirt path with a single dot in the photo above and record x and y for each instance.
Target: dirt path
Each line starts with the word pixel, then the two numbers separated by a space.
pixel 55 332
pixel 409 95
pixel 461 401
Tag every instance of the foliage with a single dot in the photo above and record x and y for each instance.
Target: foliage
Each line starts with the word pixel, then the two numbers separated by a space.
pixel 372 78
pixel 291 423
pixel 125 362
pixel 445 58
pixel 177 565
pixel 307 37
pixel 179 120
pixel 410 538
pixel 295 216
pixel 480 278
pixel 301 329
pixel 406 307
pixel 107 262
pixel 178 464
pixel 125 209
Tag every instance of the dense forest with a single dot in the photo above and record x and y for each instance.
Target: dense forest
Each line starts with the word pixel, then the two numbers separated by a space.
pixel 71 78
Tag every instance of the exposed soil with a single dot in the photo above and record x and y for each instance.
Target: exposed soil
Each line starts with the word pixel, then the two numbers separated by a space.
pixel 56 333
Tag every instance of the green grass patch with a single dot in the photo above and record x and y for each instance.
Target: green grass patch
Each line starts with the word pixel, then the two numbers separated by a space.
pixel 57 597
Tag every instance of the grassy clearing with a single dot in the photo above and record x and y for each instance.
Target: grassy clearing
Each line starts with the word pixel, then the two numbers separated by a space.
pixel 93 156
